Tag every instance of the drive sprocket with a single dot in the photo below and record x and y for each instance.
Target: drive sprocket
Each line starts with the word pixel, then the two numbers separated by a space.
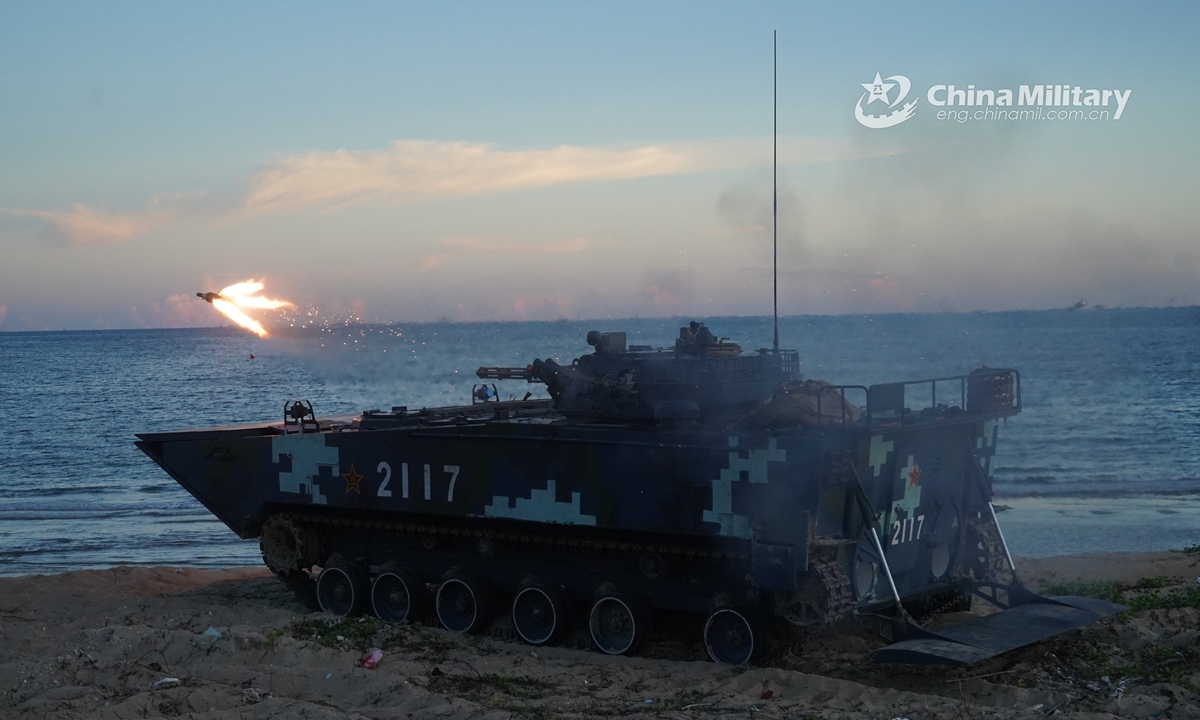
pixel 823 596
pixel 287 545
pixel 985 559
pixel 290 549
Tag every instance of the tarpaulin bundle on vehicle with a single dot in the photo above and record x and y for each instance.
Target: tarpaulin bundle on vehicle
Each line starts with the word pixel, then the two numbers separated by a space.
pixel 807 403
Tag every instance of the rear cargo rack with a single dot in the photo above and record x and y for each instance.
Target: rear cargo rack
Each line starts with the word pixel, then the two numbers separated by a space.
pixel 988 391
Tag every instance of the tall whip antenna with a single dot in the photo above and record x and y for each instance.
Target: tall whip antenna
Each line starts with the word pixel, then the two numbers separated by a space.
pixel 775 189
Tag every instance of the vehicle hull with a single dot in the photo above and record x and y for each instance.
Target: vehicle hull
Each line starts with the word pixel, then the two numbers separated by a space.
pixel 803 508
pixel 755 502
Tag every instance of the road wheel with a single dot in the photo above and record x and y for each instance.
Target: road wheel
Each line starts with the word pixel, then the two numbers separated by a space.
pixel 733 636
pixel 399 596
pixel 617 624
pixel 342 588
pixel 462 605
pixel 540 614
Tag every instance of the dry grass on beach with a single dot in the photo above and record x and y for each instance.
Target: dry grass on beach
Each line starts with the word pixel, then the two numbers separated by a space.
pixel 131 643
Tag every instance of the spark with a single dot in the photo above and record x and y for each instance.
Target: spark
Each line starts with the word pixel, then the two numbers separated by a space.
pixel 244 295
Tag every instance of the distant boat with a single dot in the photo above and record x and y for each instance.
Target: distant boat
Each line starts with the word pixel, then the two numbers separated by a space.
pixel 1077 306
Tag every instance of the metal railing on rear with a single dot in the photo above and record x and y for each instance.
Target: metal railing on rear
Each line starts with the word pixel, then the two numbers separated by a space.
pixel 990 391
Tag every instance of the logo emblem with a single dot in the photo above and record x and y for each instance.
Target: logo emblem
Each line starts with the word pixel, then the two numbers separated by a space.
pixel 914 476
pixel 880 91
pixel 353 481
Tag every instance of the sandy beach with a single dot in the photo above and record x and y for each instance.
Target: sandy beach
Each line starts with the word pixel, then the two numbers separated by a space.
pixel 177 642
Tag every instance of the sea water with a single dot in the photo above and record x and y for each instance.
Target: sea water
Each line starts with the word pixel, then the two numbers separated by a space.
pixel 1104 457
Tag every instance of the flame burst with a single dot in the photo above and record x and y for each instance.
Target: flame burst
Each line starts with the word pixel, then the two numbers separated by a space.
pixel 242 295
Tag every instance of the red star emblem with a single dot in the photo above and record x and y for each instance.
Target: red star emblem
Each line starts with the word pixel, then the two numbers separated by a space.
pixel 914 476
pixel 353 481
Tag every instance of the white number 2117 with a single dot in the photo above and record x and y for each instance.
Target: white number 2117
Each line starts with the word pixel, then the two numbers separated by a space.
pixel 386 469
pixel 903 530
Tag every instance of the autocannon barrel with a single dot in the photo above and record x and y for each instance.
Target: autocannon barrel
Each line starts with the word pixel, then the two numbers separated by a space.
pixel 507 373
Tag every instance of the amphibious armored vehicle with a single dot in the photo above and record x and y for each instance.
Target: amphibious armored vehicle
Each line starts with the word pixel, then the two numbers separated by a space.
pixel 696 478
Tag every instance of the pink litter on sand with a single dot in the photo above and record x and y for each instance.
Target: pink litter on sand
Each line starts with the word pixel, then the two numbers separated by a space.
pixel 371 659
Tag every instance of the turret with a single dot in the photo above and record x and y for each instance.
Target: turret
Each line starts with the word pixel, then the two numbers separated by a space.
pixel 703 380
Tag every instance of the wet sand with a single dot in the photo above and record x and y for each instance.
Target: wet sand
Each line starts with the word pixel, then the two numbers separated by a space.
pixel 1070 524
pixel 130 642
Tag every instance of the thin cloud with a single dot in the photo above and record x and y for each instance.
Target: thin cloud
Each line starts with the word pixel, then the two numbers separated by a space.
pixel 484 245
pixel 82 225
pixel 414 170
pixel 409 171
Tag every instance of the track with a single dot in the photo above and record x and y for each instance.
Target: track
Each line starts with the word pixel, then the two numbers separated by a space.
pixel 661 572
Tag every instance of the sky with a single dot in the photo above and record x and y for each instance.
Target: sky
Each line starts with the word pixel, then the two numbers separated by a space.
pixel 399 162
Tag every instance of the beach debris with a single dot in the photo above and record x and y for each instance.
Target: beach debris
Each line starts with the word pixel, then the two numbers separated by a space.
pixel 371 659
pixel 328 675
pixel 205 640
pixel 436 672
pixel 767 695
pixel 165 682
pixel 85 657
pixel 1117 689
pixel 648 701
pixel 253 695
